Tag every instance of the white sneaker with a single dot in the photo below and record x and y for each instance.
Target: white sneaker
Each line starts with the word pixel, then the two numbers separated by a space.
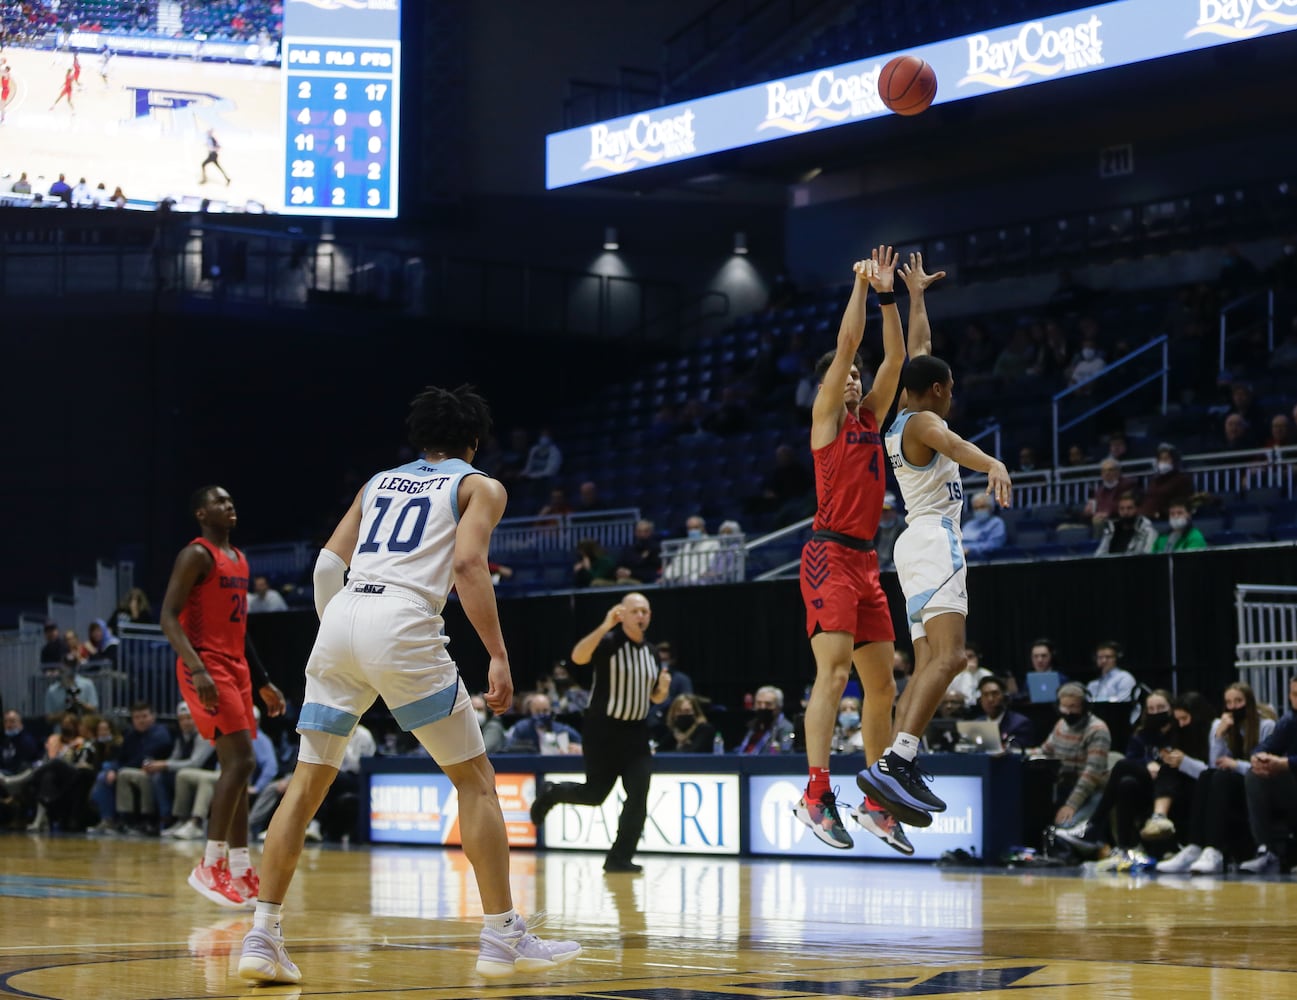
pixel 313 832
pixel 1210 862
pixel 190 831
pixel 172 829
pixel 1157 828
pixel 503 954
pixel 1180 860
pixel 265 959
pixel 1264 863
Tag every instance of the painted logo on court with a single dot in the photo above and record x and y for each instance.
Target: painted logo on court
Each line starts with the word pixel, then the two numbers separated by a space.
pixel 1236 19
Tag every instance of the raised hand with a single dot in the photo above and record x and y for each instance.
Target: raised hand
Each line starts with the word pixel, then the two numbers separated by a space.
pixel 915 277
pixel 883 276
pixel 999 486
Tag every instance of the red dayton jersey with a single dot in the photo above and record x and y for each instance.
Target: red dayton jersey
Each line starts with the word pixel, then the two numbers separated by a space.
pixel 851 478
pixel 216 615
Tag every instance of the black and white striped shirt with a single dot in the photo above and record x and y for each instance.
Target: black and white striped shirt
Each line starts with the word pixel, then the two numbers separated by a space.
pixel 625 673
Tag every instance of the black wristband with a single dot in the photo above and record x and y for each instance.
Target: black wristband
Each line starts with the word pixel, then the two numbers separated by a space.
pixel 886 298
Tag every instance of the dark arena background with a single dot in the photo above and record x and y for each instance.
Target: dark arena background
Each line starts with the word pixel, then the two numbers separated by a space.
pixel 632 226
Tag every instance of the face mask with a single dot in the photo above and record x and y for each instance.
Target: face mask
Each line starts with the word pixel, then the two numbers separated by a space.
pixel 1165 467
pixel 848 720
pixel 981 514
pixel 1111 484
pixel 1126 522
pixel 1156 720
pixel 481 716
pixel 1087 353
pixel 765 716
pixel 562 683
pixel 1240 715
pixel 12 732
pixel 1073 720
pixel 542 721
pixel 684 723
pixel 695 533
pixel 1179 523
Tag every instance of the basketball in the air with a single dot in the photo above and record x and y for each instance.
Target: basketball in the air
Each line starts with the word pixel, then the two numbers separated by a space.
pixel 907 85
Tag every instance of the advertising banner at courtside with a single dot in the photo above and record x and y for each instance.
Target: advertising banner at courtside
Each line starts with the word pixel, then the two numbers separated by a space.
pixel 424 809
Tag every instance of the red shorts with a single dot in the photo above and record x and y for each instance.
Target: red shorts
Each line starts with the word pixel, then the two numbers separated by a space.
pixel 842 592
pixel 233 693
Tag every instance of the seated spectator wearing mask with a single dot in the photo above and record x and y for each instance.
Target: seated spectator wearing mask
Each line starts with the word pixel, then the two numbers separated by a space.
pixel 846 734
pixel 687 729
pixel 984 532
pixel 1067 792
pixel 1167 484
pixel 492 728
pixel 1130 533
pixel 1112 486
pixel 539 730
pixel 1183 536
pixel 769 730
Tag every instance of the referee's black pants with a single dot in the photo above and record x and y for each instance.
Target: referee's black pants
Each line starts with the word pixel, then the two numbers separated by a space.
pixel 613 749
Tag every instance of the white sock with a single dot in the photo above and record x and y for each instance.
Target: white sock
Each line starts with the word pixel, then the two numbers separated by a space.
pixel 267 917
pixel 906 746
pixel 240 861
pixel 214 852
pixel 505 923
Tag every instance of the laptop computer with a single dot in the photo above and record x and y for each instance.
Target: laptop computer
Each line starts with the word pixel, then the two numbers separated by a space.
pixel 941 736
pixel 1042 686
pixel 983 735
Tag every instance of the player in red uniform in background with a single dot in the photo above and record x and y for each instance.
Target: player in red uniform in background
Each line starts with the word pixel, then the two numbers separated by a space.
pixel 204 615
pixel 76 70
pixel 6 88
pixel 65 92
pixel 847 615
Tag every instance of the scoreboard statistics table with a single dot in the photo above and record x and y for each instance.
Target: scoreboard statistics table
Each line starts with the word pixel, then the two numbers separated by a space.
pixel 342 115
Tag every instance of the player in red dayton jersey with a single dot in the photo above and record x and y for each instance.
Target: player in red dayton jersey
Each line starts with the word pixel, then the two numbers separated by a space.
pixel 6 88
pixel 204 615
pixel 847 616
pixel 65 92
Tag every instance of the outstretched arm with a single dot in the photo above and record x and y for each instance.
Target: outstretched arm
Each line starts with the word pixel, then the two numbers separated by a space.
pixel 482 502
pixel 931 432
pixel 883 392
pixel 917 281
pixel 829 407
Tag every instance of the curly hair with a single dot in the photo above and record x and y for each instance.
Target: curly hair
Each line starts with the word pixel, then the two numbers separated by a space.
pixel 449 420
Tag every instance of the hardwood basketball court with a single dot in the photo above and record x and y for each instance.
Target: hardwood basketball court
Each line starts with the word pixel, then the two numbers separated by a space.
pixel 111 919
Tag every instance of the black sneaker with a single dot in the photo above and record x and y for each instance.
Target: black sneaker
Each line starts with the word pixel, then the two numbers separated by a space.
pixel 612 864
pixel 901 786
pixel 542 804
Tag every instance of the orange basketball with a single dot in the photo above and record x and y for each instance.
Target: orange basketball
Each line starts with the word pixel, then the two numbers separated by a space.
pixel 907 85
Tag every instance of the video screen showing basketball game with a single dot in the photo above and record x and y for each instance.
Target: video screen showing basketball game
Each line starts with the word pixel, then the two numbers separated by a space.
pixel 278 106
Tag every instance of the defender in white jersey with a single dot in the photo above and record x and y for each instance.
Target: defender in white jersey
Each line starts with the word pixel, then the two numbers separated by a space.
pixel 926 456
pixel 410 532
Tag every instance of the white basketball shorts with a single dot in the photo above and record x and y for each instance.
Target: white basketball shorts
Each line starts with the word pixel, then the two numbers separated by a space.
pixel 930 563
pixel 377 640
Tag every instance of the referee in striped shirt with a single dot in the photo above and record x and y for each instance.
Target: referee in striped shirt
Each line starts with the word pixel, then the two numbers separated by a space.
pixel 627 678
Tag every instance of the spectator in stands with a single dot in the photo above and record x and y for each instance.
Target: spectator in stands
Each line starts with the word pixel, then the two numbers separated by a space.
pixel 1129 533
pixel 544 459
pixel 681 683
pixel 1026 459
pixel 134 609
pixel 1077 455
pixel 118 197
pixel 1113 683
pixel 641 560
pixel 71 694
pixel 55 650
pixel 686 728
pixel 847 737
pixel 557 506
pixel 787 490
pixel 76 648
pixel 1168 483
pixel 1272 789
pixel 693 558
pixel 62 190
pixel 147 740
pixel 566 696
pixel 1118 445
pixel 1281 433
pixel 727 561
pixel 966 681
pixel 336 817
pixel 902 669
pixel 189 751
pixel 953 705
pixel 1236 435
pixel 1243 402
pixel 99 197
pixel 890 525
pixel 1016 730
pixel 984 531
pixel 593 565
pixel 492 728
pixel 81 196
pixel 588 498
pixel 1079 742
pixel 1183 535
pixel 1052 354
pixel 19 754
pixel 195 786
pixel 769 731
pixel 264 599
pixel 514 456
pixel 1016 357
pixel 1112 485
pixel 540 732
pixel 22 185
pixel 1042 658
pixel 101 646
pixel 1088 362
pixel 62 783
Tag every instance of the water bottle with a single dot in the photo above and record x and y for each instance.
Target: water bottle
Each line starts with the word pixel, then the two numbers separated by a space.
pixel 718 744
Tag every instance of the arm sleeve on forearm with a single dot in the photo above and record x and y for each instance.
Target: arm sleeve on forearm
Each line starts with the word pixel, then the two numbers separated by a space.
pixel 329 573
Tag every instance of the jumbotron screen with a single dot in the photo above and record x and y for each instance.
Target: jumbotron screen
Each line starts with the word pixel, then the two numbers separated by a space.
pixel 281 106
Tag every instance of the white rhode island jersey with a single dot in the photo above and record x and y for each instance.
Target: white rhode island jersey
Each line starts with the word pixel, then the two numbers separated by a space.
pixel 934 489
pixel 407 528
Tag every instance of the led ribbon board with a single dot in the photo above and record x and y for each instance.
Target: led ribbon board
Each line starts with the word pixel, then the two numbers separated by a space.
pixel 1019 55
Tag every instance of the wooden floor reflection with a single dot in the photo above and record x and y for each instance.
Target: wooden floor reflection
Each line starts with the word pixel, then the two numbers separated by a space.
pixel 109 920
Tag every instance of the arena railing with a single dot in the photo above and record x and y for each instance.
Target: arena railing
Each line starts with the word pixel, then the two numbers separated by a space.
pixel 1267 640
pixel 1230 309
pixel 145 671
pixel 692 561
pixel 560 533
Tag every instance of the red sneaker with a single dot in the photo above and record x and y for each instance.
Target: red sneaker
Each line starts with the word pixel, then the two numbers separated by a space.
pixel 247 885
pixel 213 882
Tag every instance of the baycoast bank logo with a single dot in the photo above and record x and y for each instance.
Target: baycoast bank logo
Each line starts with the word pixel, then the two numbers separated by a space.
pixel 644 141
pixel 1242 18
pixel 1001 62
pixel 389 5
pixel 827 98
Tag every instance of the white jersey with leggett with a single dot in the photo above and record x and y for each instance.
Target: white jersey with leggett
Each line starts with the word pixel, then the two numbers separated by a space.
pixel 932 489
pixel 407 528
